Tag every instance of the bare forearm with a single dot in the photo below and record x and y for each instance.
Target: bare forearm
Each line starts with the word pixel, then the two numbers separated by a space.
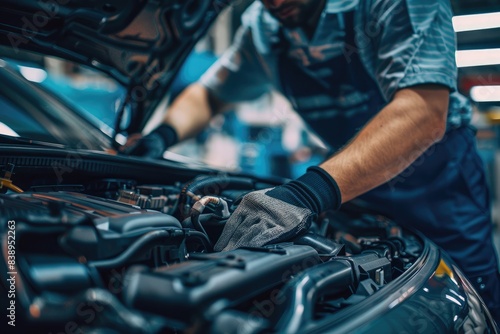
pixel 191 111
pixel 390 142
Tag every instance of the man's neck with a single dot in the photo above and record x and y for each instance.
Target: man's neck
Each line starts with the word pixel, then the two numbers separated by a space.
pixel 311 25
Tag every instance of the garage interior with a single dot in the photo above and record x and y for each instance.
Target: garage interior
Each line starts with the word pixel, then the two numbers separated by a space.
pixel 265 138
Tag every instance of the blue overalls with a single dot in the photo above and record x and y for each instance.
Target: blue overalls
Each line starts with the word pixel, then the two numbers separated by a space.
pixel 443 193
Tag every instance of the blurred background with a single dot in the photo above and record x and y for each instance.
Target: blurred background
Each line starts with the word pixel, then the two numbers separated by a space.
pixel 264 137
pixel 477 25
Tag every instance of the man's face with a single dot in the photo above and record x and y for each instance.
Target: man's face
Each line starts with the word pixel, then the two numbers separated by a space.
pixel 293 13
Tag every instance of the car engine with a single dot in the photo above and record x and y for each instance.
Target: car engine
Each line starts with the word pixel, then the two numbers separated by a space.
pixel 117 255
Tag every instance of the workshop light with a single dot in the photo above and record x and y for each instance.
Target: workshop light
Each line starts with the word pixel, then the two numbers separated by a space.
pixel 33 74
pixel 476 22
pixel 485 93
pixel 467 58
pixel 7 131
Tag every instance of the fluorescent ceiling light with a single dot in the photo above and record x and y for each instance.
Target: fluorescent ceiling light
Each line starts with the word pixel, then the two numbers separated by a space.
pixel 485 93
pixel 476 22
pixel 467 58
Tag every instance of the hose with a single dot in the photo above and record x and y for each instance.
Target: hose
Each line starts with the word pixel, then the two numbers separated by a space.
pixel 332 277
pixel 136 247
pixel 302 292
pixel 211 185
pixel 220 207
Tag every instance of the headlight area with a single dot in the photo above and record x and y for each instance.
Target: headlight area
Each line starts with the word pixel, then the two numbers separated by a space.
pixel 117 254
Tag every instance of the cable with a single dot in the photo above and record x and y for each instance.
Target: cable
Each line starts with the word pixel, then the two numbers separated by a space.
pixel 203 237
pixel 9 185
pixel 6 182
pixel 200 205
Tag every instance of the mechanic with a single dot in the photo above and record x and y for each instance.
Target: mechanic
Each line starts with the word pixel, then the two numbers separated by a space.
pixel 376 79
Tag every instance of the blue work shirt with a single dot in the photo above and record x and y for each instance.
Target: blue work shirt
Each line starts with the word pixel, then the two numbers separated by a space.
pixel 393 45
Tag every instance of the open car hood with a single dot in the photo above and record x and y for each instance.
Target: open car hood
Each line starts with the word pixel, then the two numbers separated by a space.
pixel 141 43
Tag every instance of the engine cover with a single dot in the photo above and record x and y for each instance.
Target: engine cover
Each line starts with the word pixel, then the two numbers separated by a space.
pixel 94 227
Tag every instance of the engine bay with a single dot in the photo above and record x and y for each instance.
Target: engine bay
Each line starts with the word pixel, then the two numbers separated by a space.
pixel 125 255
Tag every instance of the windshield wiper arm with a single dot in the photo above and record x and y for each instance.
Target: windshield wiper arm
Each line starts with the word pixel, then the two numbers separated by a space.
pixel 27 141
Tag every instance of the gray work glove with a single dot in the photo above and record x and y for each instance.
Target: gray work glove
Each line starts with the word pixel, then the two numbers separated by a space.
pixel 155 143
pixel 281 213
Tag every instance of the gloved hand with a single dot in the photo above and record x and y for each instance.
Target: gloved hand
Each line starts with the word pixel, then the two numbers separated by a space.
pixel 154 144
pixel 281 213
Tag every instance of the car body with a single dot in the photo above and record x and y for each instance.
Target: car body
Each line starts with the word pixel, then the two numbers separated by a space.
pixel 98 242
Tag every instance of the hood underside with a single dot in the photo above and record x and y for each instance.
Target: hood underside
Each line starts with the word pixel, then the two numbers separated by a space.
pixel 141 43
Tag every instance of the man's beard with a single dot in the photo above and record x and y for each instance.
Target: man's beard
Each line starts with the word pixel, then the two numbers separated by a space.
pixel 302 14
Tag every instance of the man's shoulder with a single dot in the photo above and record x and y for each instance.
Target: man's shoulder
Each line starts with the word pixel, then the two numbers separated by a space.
pixel 420 13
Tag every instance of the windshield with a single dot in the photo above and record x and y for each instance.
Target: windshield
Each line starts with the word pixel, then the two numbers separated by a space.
pixel 90 93
pixel 38 104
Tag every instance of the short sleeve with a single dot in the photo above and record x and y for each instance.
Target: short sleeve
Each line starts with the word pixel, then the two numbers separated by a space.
pixel 239 74
pixel 413 44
